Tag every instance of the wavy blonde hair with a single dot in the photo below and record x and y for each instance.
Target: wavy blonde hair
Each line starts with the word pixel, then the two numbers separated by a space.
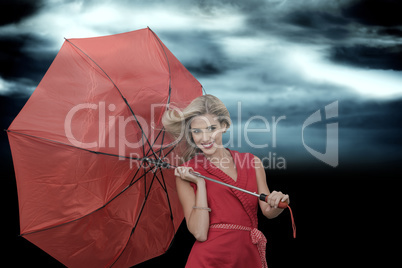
pixel 177 122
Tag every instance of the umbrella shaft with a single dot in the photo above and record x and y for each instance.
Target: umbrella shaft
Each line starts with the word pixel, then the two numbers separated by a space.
pixel 162 164
pixel 225 184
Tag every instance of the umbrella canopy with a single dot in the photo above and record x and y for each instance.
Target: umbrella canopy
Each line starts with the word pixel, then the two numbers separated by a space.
pixel 84 197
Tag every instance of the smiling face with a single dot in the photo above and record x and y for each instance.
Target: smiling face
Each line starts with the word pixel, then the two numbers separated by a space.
pixel 207 131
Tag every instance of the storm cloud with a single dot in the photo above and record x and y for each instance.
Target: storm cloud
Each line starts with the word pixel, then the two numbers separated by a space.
pixel 274 57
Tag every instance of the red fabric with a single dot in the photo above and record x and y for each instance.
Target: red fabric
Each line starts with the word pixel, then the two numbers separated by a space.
pixel 228 248
pixel 257 237
pixel 70 199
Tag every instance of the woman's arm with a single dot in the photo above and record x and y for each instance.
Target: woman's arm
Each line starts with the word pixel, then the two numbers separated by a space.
pixel 269 209
pixel 197 219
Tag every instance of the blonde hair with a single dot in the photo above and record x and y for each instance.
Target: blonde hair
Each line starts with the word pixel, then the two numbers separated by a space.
pixel 178 122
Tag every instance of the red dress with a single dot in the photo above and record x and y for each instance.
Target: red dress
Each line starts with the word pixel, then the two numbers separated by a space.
pixel 232 238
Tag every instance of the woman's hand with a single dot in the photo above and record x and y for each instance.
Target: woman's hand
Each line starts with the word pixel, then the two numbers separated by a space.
pixel 184 174
pixel 274 198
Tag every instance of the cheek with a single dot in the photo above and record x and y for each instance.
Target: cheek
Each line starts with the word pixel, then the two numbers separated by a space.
pixel 196 138
pixel 217 136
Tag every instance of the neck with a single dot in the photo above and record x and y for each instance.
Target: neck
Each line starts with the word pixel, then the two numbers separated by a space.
pixel 220 153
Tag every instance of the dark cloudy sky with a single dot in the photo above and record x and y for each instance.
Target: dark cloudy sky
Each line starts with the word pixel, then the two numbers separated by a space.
pixel 271 58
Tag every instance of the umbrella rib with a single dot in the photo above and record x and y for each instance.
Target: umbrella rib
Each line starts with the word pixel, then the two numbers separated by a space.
pixel 157 136
pixel 91 151
pixel 164 187
pixel 163 138
pixel 130 184
pixel 135 175
pixel 73 146
pixel 71 221
pixel 163 178
pixel 203 89
pixel 136 223
pixel 170 207
pixel 171 150
pixel 173 145
pixel 160 154
pixel 157 178
pixel 168 63
pixel 87 150
pixel 161 146
pixel 167 196
pixel 121 94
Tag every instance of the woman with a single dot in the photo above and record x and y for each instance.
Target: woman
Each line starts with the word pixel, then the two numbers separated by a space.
pixel 223 220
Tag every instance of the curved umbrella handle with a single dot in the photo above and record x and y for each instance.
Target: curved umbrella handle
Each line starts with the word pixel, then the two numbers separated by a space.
pixel 281 204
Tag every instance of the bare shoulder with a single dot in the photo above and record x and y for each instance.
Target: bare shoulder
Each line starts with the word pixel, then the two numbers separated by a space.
pixel 257 163
pixel 259 169
pixel 261 177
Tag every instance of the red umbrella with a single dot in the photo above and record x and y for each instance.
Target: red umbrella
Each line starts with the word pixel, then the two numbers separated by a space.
pixel 86 195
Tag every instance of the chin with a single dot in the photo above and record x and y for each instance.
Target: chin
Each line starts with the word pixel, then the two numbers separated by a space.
pixel 207 151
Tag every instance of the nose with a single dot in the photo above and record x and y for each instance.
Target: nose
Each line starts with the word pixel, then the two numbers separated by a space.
pixel 206 136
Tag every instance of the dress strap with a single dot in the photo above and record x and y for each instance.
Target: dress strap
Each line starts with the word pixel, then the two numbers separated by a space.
pixel 257 238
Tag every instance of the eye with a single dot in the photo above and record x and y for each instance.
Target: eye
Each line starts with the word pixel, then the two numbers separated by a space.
pixel 211 128
pixel 195 130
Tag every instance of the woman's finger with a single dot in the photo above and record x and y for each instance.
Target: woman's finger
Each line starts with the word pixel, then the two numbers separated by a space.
pixel 272 201
pixel 180 172
pixel 186 172
pixel 271 198
pixel 284 198
pixel 277 200
pixel 276 197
